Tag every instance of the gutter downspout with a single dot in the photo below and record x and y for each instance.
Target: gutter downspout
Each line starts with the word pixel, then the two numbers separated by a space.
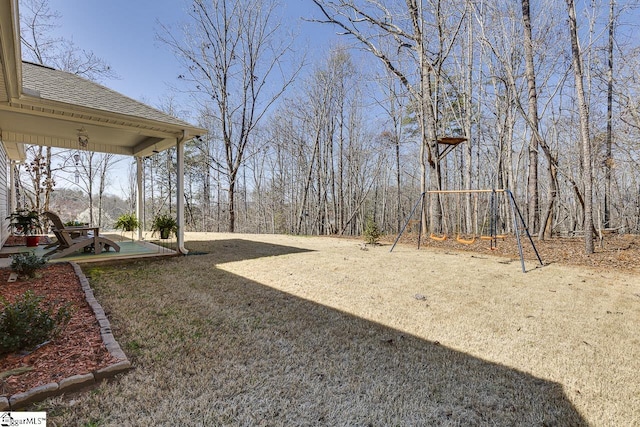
pixel 180 192
pixel 13 201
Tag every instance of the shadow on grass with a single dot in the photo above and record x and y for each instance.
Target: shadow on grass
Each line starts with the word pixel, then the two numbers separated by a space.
pixel 230 351
pixel 230 250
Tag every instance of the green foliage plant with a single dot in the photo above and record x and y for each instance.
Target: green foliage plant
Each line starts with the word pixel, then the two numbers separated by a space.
pixel 371 232
pixel 164 224
pixel 27 263
pixel 25 324
pixel 127 222
pixel 25 221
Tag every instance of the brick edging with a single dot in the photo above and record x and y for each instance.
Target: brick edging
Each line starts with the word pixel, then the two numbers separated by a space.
pixel 76 382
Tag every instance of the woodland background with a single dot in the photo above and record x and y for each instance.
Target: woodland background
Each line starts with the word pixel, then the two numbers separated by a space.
pixel 544 91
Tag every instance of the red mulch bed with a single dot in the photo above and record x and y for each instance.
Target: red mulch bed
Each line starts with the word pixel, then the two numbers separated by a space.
pixel 78 350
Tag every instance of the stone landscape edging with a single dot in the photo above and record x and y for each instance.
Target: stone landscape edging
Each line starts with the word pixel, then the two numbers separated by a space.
pixel 76 382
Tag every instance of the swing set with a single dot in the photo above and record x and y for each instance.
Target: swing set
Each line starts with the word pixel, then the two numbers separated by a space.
pixel 489 231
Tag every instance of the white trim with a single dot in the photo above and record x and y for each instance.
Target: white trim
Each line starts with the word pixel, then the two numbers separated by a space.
pixel 139 195
pixel 10 51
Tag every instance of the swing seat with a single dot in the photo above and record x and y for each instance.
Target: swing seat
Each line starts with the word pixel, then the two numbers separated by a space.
pixel 438 239
pixel 466 241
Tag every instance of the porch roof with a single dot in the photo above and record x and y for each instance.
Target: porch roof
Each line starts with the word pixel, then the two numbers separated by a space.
pixel 43 106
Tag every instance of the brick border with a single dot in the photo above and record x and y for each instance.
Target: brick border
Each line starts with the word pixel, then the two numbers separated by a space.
pixel 76 382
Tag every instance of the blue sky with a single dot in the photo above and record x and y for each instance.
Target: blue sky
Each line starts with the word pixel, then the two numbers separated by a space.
pixel 122 32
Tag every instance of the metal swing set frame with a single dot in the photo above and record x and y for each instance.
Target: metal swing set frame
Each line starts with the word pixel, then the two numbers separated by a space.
pixel 519 224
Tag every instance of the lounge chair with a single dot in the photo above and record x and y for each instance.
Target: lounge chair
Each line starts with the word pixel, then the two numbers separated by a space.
pixel 57 224
pixel 73 239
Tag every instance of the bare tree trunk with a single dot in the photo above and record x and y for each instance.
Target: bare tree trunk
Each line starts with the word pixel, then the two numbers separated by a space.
pixel 231 205
pixel 584 129
pixel 206 199
pixel 532 179
pixel 89 172
pixel 609 141
pixel 305 192
pixel 468 109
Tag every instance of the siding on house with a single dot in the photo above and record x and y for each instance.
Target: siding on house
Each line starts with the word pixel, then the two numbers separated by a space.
pixel 4 195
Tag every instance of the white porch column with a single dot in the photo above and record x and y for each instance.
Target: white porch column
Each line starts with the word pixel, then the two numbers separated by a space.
pixel 140 195
pixel 180 194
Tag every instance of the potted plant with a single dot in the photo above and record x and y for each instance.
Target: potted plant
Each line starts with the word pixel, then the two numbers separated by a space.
pixel 164 224
pixel 27 223
pixel 127 222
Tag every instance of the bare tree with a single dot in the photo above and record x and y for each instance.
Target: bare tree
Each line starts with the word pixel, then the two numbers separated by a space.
pixel 394 105
pixel 584 128
pixel 418 43
pixel 105 165
pixel 89 172
pixel 234 54
pixel 532 114
pixel 609 137
pixel 37 22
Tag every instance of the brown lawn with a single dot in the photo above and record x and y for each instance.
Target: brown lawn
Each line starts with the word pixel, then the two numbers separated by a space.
pixel 284 330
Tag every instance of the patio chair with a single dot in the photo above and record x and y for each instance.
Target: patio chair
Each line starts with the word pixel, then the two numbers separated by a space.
pixel 73 239
pixel 57 223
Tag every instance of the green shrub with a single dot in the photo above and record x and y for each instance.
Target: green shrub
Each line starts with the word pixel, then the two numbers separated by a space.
pixel 27 263
pixel 24 324
pixel 371 232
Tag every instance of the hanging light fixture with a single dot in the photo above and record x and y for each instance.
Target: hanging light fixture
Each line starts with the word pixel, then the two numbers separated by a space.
pixel 83 137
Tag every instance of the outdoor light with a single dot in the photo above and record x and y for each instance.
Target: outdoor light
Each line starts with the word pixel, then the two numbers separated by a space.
pixel 83 137
pixel 77 176
pixel 76 157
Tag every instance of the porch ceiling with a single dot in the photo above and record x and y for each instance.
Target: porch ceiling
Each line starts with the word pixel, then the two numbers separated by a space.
pixel 57 127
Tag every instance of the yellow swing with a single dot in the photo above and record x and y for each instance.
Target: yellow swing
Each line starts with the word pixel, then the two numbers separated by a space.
pixel 460 239
pixel 442 238
pixel 438 238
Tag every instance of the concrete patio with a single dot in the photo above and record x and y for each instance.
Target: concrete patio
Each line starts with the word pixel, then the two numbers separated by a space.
pixel 129 249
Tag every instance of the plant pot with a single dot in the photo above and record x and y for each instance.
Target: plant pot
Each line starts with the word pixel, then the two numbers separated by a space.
pixel 164 234
pixel 32 241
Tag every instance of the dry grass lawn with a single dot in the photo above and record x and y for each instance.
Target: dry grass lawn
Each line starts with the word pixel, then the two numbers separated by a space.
pixel 283 330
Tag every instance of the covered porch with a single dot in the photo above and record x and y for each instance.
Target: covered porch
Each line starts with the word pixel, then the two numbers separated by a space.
pixel 47 107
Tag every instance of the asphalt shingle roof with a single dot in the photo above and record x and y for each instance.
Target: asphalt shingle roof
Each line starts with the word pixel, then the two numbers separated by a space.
pixel 61 86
